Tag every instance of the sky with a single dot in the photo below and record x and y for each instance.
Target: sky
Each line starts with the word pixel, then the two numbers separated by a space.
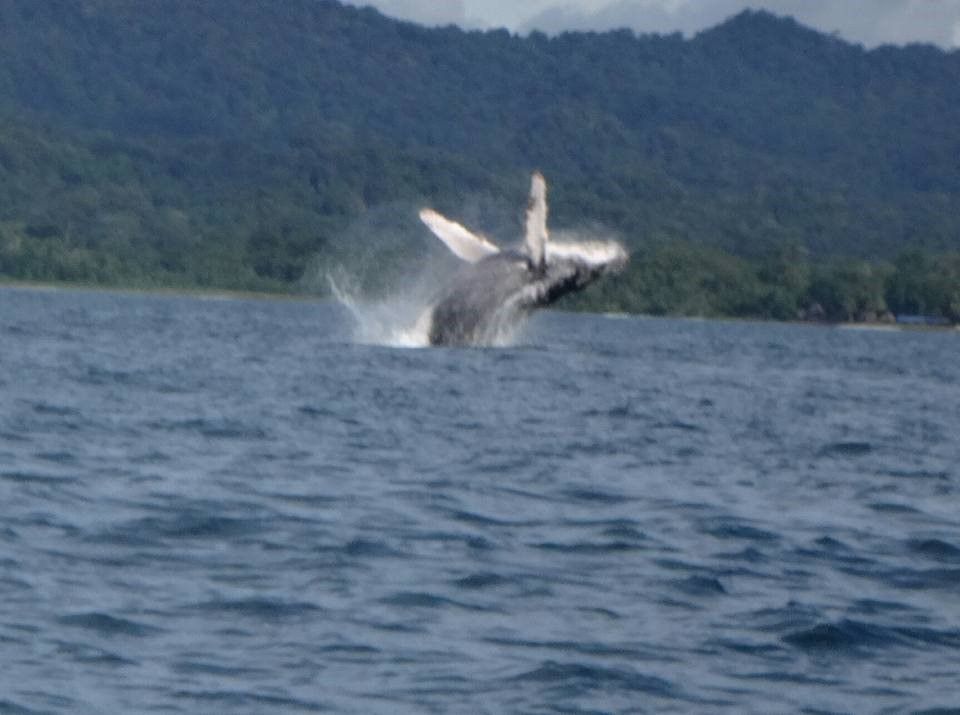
pixel 868 22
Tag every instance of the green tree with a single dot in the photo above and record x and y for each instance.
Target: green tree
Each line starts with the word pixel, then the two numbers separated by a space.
pixel 849 290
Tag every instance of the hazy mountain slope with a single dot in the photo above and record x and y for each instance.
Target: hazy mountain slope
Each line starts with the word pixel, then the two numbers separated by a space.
pixel 232 141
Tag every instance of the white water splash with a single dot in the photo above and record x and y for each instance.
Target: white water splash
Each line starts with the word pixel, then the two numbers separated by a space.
pixel 404 318
pixel 401 321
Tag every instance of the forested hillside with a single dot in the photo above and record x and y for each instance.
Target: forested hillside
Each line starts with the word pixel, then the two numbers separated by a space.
pixel 760 168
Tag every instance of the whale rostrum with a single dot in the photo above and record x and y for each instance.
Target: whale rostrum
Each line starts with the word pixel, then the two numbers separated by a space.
pixel 497 288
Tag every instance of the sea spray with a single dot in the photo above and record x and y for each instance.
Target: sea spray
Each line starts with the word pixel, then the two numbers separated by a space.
pixel 401 320
pixel 484 301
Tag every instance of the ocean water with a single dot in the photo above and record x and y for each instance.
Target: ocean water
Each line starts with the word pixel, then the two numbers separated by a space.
pixel 229 506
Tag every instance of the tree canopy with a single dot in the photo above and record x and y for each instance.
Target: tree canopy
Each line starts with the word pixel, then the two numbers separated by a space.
pixel 235 143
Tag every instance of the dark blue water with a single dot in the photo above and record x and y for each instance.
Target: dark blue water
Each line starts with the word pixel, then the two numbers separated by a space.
pixel 226 506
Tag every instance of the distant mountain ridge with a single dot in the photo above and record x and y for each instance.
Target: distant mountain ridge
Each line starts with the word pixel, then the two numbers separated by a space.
pixel 232 141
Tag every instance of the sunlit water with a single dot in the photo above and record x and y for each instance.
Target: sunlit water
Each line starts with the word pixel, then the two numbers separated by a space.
pixel 230 506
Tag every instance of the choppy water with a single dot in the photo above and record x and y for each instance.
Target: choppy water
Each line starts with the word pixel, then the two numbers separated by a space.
pixel 228 507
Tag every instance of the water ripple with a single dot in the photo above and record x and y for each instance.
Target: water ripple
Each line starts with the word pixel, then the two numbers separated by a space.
pixel 106 625
pixel 227 506
pixel 570 680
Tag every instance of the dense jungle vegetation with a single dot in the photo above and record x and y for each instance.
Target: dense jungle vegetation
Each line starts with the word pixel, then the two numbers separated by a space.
pixel 758 169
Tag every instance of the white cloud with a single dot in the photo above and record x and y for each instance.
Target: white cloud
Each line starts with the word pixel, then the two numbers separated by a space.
pixel 425 12
pixel 879 21
pixel 661 16
pixel 870 22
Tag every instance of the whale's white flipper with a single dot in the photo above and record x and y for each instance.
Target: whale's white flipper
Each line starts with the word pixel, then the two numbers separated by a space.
pixel 591 254
pixel 536 238
pixel 464 243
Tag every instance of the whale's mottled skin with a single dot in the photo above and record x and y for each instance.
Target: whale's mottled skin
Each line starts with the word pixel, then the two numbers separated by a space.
pixel 495 289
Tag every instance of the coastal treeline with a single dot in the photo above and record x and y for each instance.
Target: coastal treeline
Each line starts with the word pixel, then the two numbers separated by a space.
pixel 759 168
pixel 693 280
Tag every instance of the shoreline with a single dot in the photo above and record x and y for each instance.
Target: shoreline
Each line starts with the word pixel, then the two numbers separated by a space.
pixel 187 292
pixel 237 294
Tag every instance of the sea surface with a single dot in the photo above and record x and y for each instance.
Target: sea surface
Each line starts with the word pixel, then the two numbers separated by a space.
pixel 232 506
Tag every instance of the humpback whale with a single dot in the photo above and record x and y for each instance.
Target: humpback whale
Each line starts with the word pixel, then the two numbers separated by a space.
pixel 497 288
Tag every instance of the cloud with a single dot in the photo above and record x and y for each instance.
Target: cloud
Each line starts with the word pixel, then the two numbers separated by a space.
pixel 870 22
pixel 880 21
pixel 662 16
pixel 424 12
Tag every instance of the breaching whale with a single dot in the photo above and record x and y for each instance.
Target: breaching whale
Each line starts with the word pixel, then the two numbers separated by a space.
pixel 498 288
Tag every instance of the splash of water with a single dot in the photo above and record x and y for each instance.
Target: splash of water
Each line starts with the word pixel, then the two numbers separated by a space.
pixel 404 317
pixel 401 320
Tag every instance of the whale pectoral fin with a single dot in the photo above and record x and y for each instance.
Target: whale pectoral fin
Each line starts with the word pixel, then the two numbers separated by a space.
pixel 536 236
pixel 464 243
